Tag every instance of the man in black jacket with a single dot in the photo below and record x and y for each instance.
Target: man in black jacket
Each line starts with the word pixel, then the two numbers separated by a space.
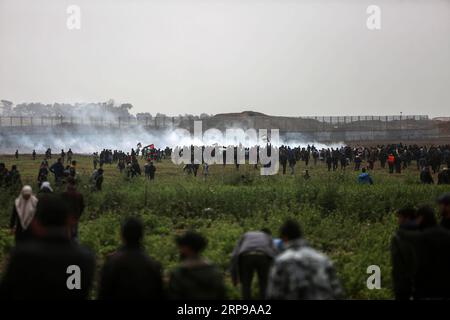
pixel 150 170
pixel 444 210
pixel 130 273
pixel 195 278
pixel 444 176
pixel 58 170
pixel 425 176
pixel 420 256
pixel 402 254
pixel 430 262
pixel 50 267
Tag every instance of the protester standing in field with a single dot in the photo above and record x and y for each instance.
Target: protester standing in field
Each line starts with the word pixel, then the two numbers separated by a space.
pixel 420 259
pixel 391 162
pixel 13 179
pixel 402 254
pixel 23 213
pixel 444 210
pixel 129 273
pixel 292 161
pixel 150 170
pixel 444 176
pixel 75 201
pixel 95 160
pixel 3 175
pixel 43 173
pixel 97 179
pixel 58 170
pixel 38 269
pixel 195 278
pixel 425 176
pixel 69 156
pixel 205 171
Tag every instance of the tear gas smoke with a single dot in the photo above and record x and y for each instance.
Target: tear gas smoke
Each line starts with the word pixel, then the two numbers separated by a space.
pixel 89 139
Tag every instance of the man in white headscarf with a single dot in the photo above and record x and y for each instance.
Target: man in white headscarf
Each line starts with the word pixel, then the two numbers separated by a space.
pixel 23 214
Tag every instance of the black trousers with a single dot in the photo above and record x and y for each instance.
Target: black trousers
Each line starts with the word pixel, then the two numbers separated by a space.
pixel 249 264
pixel 391 168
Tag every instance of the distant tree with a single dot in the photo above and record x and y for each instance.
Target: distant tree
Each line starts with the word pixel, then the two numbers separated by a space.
pixel 6 107
pixel 142 115
pixel 126 106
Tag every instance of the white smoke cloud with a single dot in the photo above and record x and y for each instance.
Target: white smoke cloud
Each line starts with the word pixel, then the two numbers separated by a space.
pixel 88 139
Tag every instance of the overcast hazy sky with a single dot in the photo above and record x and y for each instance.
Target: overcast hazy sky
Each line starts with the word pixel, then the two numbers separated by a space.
pixel 284 57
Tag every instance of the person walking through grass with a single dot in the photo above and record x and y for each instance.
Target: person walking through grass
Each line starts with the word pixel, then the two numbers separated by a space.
pixel 301 272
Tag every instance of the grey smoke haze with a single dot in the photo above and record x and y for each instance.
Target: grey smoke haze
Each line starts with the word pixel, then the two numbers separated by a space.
pixel 90 136
pixel 284 57
pixel 91 140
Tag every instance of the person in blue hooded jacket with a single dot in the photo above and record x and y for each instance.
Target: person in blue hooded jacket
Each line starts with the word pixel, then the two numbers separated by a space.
pixel 364 177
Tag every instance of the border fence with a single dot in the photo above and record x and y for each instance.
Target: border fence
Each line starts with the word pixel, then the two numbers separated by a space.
pixel 305 123
pixel 324 128
pixel 33 121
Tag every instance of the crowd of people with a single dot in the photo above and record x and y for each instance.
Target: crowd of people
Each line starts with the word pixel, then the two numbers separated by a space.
pixel 45 228
pixel 286 267
pixel 46 235
pixel 428 160
pixel 396 157
pixel 10 179
pixel 128 163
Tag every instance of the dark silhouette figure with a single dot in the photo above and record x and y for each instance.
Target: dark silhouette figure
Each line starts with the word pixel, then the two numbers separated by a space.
pixel 129 273
pixel 50 267
pixel 195 278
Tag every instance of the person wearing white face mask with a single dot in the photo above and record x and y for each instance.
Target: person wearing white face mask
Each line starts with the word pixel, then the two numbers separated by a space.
pixel 23 214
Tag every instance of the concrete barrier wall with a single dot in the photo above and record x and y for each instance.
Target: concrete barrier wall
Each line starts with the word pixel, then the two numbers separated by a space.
pixel 10 133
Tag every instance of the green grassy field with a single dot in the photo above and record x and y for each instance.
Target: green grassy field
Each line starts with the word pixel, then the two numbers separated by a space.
pixel 351 223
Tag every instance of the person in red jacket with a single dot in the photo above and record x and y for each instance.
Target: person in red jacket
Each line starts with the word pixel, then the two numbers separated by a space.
pixel 391 162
